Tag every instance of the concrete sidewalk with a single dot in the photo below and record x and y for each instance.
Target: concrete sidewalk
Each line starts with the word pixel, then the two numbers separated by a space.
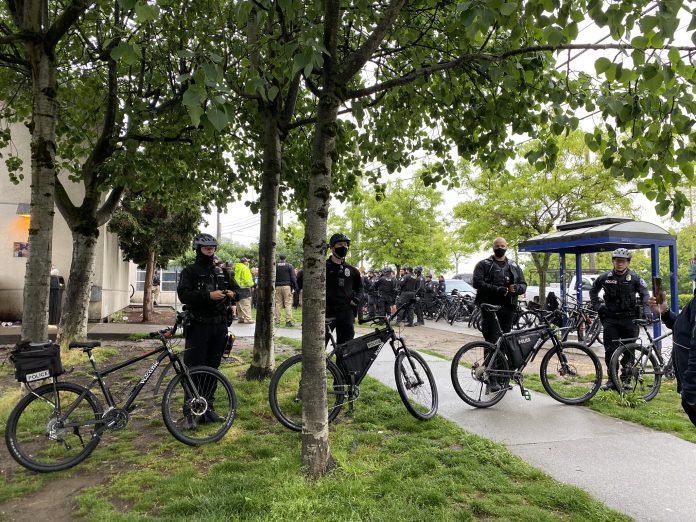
pixel 645 474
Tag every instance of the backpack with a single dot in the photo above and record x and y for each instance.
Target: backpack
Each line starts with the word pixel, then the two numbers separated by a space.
pixel 552 302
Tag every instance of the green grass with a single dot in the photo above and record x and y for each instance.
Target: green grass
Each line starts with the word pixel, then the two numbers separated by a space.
pixel 389 466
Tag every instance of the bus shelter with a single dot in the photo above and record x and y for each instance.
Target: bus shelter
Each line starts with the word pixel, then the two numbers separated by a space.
pixel 605 234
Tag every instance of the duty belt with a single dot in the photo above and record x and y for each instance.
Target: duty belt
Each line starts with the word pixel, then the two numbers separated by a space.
pixel 208 320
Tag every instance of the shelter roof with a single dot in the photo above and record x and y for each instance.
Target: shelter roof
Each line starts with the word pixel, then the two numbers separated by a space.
pixel 599 235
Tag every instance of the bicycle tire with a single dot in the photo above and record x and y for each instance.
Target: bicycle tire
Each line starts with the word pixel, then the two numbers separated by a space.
pixel 470 378
pixel 528 319
pixel 185 410
pixel 416 386
pixel 593 332
pixel 642 371
pixel 28 432
pixel 285 392
pixel 578 371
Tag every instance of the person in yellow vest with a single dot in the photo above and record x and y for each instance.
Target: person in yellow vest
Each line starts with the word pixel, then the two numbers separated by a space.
pixel 243 277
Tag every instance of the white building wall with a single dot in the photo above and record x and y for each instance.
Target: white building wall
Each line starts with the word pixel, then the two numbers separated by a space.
pixel 110 274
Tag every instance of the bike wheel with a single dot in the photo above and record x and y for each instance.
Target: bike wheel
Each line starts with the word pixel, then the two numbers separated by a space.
pixel 528 319
pixel 285 392
pixel 593 331
pixel 416 384
pixel 199 407
pixel 634 370
pixel 52 429
pixel 571 373
pixel 473 374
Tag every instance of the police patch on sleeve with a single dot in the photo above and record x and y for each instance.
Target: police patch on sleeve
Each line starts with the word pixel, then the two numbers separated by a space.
pixel 643 283
pixel 346 271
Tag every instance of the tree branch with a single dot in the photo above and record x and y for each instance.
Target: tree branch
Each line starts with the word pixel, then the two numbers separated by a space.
pixel 489 57
pixel 107 209
pixel 65 21
pixel 65 205
pixel 359 57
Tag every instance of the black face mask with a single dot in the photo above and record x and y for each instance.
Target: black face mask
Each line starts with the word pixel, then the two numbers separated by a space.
pixel 341 251
pixel 499 252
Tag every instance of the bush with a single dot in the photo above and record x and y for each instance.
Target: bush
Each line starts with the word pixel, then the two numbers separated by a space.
pixel 683 299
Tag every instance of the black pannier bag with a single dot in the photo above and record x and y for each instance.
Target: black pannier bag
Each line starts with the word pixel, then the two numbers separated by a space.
pixel 520 344
pixel 36 361
pixel 357 355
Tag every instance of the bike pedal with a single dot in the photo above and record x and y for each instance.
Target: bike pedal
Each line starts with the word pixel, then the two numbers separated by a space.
pixel 527 395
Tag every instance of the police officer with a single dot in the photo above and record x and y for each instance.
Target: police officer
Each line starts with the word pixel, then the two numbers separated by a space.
pixel 407 294
pixel 420 294
pixel 372 292
pixel 208 291
pixel 386 292
pixel 441 286
pixel 430 293
pixel 343 289
pixel 498 281
pixel 620 306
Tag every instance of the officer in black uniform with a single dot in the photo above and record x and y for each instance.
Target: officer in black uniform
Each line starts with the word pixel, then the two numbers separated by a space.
pixel 208 291
pixel 498 281
pixel 343 289
pixel 386 292
pixel 441 286
pixel 620 306
pixel 420 294
pixel 430 292
pixel 372 292
pixel 407 294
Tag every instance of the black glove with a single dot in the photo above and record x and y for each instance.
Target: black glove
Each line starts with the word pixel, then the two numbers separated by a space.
pixel 502 290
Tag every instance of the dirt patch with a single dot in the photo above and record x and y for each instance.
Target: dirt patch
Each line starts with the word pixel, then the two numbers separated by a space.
pixel 57 495
pixel 160 315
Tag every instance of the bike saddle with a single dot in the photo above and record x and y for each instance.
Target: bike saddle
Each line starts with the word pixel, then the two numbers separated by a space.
pixel 85 345
pixel 489 307
pixel 642 322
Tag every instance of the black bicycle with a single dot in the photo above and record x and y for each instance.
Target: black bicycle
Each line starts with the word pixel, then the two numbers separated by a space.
pixel 481 372
pixel 639 369
pixel 414 380
pixel 58 425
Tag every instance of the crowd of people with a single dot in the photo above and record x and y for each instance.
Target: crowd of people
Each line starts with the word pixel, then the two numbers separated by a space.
pixel 218 293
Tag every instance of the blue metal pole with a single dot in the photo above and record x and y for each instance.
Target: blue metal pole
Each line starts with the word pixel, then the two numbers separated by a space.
pixel 673 277
pixel 561 271
pixel 578 277
pixel 655 269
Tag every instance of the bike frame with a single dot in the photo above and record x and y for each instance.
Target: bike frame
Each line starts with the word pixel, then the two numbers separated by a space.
pixel 164 350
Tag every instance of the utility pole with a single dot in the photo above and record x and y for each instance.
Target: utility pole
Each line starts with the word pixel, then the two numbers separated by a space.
pixel 219 226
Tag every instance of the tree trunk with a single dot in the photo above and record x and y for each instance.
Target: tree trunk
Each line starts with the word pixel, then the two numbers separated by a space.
pixel 43 173
pixel 316 455
pixel 147 287
pixel 73 321
pixel 263 359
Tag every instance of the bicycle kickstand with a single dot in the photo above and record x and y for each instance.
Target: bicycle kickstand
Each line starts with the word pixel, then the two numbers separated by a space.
pixel 524 391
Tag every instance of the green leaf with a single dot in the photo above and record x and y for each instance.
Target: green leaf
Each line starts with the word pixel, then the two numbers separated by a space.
pixel 127 4
pixel 145 12
pixel 217 117
pixel 508 8
pixel 126 52
pixel 639 42
pixel 192 97
pixel 674 56
pixel 602 64
pixel 273 92
pixel 195 112
pixel 638 56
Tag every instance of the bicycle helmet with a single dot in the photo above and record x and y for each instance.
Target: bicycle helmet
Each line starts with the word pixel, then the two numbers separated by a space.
pixel 621 252
pixel 418 270
pixel 202 240
pixel 337 238
pixel 387 270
